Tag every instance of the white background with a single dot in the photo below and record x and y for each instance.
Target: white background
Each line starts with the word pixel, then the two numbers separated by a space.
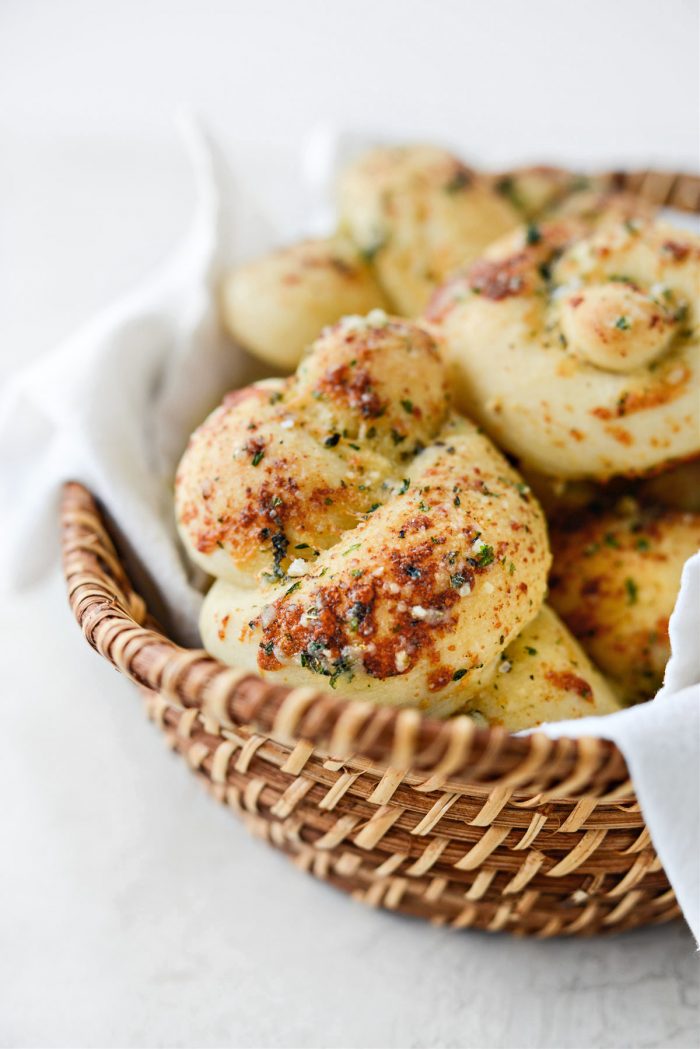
pixel 132 910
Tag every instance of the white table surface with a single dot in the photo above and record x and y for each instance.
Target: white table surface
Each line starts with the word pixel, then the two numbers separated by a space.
pixel 133 910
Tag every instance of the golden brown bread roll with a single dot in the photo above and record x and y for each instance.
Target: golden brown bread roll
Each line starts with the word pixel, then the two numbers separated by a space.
pixel 614 582
pixel 359 529
pixel 419 213
pixel 277 305
pixel 578 351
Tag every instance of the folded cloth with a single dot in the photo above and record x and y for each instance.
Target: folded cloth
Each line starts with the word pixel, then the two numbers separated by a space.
pixel 113 407
pixel 661 744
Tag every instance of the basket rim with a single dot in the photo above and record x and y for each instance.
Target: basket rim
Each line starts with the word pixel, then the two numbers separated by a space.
pixel 115 621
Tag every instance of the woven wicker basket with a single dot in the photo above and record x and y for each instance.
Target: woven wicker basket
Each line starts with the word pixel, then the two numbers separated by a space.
pixel 462 825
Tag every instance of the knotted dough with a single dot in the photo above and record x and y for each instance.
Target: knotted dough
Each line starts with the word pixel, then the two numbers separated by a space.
pixel 578 350
pixel 418 213
pixel 359 529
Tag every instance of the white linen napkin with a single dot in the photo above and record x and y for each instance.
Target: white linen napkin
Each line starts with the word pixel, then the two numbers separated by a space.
pixel 113 407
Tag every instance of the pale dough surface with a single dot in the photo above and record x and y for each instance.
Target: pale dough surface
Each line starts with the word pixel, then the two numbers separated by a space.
pixel 578 351
pixel 366 537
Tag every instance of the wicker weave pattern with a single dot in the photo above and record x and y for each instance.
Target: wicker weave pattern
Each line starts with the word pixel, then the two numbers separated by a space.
pixel 462 826
pixel 442 820
pixel 663 188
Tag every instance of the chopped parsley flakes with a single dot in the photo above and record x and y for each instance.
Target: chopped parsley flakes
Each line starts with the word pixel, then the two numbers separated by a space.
pixel 459 181
pixel 484 556
pixel 632 591
pixel 532 235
